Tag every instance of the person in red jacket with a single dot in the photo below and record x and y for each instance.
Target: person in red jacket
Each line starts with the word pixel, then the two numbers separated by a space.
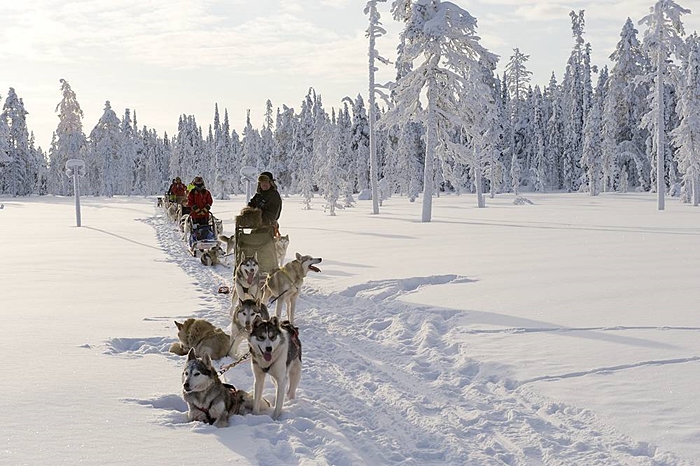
pixel 178 191
pixel 199 201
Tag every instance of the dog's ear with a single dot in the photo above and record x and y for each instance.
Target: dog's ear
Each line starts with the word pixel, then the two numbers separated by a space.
pixel 192 354
pixel 207 361
pixel 298 256
pixel 257 321
pixel 275 321
pixel 178 325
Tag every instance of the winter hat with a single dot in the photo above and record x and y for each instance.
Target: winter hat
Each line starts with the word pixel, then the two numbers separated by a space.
pixel 177 180
pixel 198 181
pixel 266 176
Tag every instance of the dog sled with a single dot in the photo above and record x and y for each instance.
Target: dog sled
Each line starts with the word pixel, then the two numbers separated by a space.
pixel 256 241
pixel 202 237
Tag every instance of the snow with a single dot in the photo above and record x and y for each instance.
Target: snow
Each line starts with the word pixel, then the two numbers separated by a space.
pixel 562 332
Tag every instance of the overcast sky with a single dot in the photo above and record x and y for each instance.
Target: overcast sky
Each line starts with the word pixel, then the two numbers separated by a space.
pixel 164 58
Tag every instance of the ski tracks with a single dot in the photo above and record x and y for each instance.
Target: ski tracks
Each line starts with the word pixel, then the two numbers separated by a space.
pixel 398 364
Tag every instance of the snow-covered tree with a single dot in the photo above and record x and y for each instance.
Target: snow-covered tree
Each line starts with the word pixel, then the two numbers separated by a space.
pixel 661 40
pixel 574 102
pixel 126 156
pixel 517 82
pixel 592 137
pixel 374 31
pixel 440 37
pixel 687 135
pixel 103 155
pixel 69 142
pixel 624 105
pixel 18 176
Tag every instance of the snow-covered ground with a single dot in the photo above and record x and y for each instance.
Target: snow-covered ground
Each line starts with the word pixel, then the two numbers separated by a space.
pixel 559 333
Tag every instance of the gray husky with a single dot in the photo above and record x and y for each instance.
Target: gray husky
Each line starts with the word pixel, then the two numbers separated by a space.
pixel 242 321
pixel 208 398
pixel 276 350
pixel 284 284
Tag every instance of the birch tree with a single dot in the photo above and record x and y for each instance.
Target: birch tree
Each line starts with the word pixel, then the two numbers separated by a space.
pixel 661 40
pixel 440 37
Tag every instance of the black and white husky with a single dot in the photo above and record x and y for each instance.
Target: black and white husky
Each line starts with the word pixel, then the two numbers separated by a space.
pixel 208 398
pixel 275 350
pixel 244 315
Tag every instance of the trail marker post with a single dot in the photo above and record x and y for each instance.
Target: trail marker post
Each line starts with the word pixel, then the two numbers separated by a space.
pixel 75 168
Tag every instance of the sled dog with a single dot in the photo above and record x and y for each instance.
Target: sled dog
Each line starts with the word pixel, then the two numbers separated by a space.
pixel 281 245
pixel 212 256
pixel 242 321
pixel 246 280
pixel 276 350
pixel 201 335
pixel 284 284
pixel 208 399
pixel 229 241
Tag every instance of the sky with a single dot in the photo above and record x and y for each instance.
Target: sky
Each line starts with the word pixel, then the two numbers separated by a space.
pixel 164 58
pixel 560 332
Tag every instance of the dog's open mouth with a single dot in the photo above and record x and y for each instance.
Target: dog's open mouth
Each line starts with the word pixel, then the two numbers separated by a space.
pixel 267 356
pixel 314 268
pixel 251 277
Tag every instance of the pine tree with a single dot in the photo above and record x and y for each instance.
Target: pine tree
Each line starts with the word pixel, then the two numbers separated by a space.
pixel 102 160
pixel 624 105
pixel 69 141
pixel 687 135
pixel 17 178
pixel 374 31
pixel 517 81
pixel 592 137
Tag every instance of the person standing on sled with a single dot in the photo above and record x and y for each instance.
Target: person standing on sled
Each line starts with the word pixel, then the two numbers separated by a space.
pixel 178 191
pixel 199 201
pixel 268 200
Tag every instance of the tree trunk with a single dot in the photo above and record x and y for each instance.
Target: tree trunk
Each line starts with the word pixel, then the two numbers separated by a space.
pixel 660 141
pixel 478 179
pixel 430 144
pixel 370 113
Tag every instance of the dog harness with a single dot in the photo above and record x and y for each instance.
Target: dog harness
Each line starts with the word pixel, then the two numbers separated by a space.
pixel 235 408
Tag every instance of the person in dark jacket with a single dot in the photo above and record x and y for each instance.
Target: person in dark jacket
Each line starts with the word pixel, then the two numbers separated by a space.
pixel 199 201
pixel 268 200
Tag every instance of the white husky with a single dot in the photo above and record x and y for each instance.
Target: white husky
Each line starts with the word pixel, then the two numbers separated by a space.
pixel 275 350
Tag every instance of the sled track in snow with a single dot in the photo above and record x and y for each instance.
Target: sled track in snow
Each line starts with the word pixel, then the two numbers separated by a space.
pixel 369 356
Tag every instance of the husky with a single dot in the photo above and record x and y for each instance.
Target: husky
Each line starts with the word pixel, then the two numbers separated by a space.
pixel 281 245
pixel 208 398
pixel 276 350
pixel 202 336
pixel 284 284
pixel 244 315
pixel 212 256
pixel 246 280
pixel 230 242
